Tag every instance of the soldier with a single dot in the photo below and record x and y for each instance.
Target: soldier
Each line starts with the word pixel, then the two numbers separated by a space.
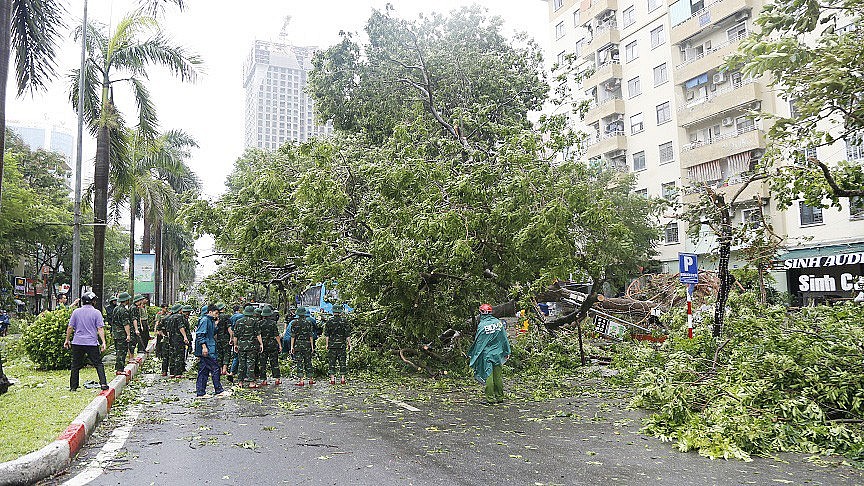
pixel 139 319
pixel 256 369
pixel 160 336
pixel 224 336
pixel 303 345
pixel 272 346
pixel 185 312
pixel 121 329
pixel 247 344
pixel 178 341
pixel 337 334
pixel 109 309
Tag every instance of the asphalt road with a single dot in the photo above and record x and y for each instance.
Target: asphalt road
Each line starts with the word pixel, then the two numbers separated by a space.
pixel 366 433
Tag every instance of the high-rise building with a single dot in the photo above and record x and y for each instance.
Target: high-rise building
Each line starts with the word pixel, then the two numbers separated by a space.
pixel 278 110
pixel 48 136
pixel 663 106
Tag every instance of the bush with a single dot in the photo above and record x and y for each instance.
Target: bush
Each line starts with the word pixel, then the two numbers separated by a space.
pixel 43 340
pixel 779 383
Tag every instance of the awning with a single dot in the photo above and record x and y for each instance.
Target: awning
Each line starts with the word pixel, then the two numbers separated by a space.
pixel 822 256
pixel 739 163
pixel 823 251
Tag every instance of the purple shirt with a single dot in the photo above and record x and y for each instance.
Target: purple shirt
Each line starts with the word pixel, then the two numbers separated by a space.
pixel 85 321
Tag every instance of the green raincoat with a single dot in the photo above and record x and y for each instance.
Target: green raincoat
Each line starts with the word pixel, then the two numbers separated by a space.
pixel 490 347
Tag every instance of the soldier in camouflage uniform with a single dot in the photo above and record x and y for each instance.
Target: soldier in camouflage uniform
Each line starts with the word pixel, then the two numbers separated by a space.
pixel 224 336
pixel 139 317
pixel 161 342
pixel 178 341
pixel 302 345
pixel 272 346
pixel 247 344
pixel 185 312
pixel 337 333
pixel 121 330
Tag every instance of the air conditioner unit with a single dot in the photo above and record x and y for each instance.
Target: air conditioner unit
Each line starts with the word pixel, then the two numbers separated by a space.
pixel 707 45
pixel 741 16
pixel 719 78
pixel 728 121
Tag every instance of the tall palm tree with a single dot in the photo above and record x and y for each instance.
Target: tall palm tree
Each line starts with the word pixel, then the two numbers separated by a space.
pixel 31 27
pixel 122 57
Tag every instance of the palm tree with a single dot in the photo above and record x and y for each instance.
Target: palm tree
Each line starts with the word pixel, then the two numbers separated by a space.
pixel 122 57
pixel 31 27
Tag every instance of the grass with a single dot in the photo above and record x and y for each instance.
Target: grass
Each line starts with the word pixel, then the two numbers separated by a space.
pixel 39 406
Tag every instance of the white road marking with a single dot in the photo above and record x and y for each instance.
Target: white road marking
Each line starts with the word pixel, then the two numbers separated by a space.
pixel 401 404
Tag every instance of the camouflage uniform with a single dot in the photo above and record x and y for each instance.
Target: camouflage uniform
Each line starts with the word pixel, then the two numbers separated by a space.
pixel 337 330
pixel 121 320
pixel 176 345
pixel 270 337
pixel 246 334
pixel 161 341
pixel 302 332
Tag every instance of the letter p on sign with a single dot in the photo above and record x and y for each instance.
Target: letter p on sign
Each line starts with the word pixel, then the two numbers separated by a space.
pixel 688 268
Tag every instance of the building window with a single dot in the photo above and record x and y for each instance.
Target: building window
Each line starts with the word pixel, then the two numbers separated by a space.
pixel 576 21
pixel 669 190
pixel 629 16
pixel 856 208
pixel 737 33
pixel 657 37
pixel 661 75
pixel 630 52
pixel 809 214
pixel 653 5
pixel 667 154
pixel 636 124
pixel 639 161
pixel 578 48
pixel 556 4
pixel 744 124
pixel 751 218
pixel 670 233
pixel 562 58
pixel 664 113
pixel 634 87
pixel 641 192
pixel 560 30
pixel 855 147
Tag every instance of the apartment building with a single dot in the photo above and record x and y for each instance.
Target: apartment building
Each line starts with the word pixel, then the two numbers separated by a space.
pixel 663 107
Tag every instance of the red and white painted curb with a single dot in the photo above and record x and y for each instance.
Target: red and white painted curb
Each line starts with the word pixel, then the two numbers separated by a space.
pixel 54 457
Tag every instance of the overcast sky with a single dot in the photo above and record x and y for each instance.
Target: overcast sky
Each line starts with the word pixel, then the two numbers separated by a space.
pixel 211 110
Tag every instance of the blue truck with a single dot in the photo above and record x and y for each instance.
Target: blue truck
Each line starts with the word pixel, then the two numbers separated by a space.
pixel 319 298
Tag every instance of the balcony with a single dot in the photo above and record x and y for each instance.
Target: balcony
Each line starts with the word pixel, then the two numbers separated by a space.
pixel 708 60
pixel 608 70
pixel 597 7
pixel 741 140
pixel 603 109
pixel 713 12
pixel 608 142
pixel 723 99
pixel 604 35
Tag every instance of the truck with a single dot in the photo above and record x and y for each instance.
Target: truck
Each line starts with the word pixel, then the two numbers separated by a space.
pixel 320 298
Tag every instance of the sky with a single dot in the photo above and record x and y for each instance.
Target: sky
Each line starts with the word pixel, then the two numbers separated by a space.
pixel 211 109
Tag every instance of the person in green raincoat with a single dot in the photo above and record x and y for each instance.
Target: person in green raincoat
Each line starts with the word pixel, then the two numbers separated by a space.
pixel 490 350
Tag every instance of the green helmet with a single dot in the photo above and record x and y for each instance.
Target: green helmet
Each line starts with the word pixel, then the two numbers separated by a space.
pixel 338 308
pixel 248 311
pixel 187 308
pixel 137 298
pixel 123 297
pixel 257 311
pixel 267 311
pixel 301 311
pixel 176 308
pixel 220 306
pixel 113 298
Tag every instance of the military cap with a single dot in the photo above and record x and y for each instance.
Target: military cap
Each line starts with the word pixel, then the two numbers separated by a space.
pixel 187 308
pixel 113 298
pixel 123 297
pixel 176 308
pixel 220 306
pixel 257 311
pixel 248 311
pixel 338 308
pixel 137 298
pixel 267 311
pixel 301 311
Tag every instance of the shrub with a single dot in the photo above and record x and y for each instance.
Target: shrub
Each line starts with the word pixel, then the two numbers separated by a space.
pixel 43 340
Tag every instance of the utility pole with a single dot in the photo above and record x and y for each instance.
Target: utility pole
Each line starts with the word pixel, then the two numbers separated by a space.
pixel 76 230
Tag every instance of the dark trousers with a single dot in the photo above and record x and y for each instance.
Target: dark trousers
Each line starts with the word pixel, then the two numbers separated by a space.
pixel 79 353
pixel 207 367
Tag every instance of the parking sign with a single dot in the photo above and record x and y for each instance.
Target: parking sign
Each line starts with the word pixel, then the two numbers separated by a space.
pixel 688 268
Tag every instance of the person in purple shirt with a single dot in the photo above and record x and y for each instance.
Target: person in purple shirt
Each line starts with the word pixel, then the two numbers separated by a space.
pixel 86 322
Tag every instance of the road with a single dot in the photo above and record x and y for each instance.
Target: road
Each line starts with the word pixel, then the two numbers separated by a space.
pixel 368 433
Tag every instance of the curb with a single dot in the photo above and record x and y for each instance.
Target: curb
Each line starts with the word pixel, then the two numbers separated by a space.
pixel 57 455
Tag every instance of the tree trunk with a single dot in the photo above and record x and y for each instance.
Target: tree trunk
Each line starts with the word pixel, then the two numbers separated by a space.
pixel 5 36
pixel 132 217
pixel 725 241
pixel 157 283
pixel 100 210
pixel 145 239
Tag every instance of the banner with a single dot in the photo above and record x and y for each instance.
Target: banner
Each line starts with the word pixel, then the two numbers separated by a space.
pixel 145 273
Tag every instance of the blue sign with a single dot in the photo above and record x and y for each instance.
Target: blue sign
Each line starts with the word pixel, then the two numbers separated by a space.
pixel 688 268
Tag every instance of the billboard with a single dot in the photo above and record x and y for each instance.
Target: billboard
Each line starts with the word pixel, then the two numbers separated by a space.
pixel 145 273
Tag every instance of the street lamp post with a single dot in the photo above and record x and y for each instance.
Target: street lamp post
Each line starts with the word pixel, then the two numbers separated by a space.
pixel 76 231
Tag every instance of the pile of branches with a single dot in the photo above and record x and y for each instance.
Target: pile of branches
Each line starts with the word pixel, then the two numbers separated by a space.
pixel 776 382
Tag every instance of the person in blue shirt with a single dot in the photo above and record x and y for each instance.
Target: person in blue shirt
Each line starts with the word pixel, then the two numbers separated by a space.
pixel 205 349
pixel 235 358
pixel 4 322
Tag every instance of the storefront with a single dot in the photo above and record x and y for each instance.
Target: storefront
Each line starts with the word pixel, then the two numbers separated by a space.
pixel 825 274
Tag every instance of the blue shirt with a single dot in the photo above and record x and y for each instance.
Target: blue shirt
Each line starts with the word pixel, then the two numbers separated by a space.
pixel 235 317
pixel 206 334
